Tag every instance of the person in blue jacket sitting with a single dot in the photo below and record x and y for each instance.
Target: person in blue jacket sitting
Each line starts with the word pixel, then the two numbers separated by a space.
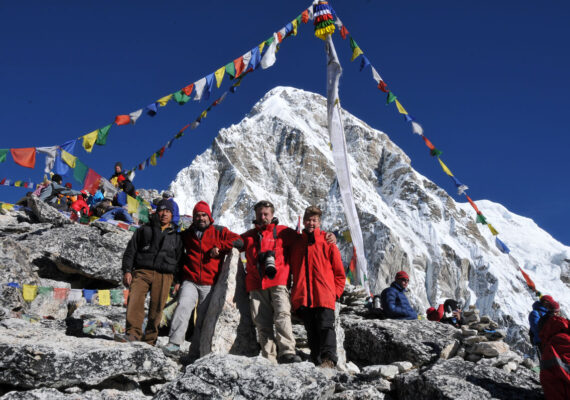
pixel 395 304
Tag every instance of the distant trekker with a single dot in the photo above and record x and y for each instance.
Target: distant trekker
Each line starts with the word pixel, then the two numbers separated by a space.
pixel 395 304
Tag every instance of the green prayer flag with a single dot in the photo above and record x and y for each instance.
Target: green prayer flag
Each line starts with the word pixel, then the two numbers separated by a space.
pixel 143 214
pixel 181 97
pixel 435 153
pixel 231 69
pixel 269 41
pixel 44 290
pixel 179 135
pixel 117 296
pixel 3 153
pixel 481 219
pixel 102 135
pixel 353 44
pixel 299 20
pixel 391 98
pixel 80 171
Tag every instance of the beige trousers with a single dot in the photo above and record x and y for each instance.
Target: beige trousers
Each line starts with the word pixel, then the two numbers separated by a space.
pixel 270 307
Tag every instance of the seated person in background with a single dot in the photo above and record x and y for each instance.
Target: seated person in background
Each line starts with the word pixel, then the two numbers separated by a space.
pixel 54 193
pixel 448 313
pixel 395 304
pixel 79 207
pixel 106 211
pixel 118 173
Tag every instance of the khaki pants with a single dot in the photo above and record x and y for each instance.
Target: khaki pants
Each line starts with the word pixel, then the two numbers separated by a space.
pixel 145 280
pixel 268 307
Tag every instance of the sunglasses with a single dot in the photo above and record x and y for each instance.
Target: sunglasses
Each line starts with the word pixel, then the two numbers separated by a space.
pixel 263 204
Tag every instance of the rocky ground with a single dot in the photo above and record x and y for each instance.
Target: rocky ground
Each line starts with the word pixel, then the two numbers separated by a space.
pixel 52 349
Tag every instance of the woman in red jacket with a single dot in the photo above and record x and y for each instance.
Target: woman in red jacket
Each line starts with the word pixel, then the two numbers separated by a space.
pixel 318 282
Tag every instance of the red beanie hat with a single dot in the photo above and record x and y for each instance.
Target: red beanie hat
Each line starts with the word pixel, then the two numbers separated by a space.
pixel 202 206
pixel 550 303
pixel 402 275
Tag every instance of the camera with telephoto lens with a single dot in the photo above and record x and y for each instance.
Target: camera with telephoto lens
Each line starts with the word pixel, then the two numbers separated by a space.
pixel 266 262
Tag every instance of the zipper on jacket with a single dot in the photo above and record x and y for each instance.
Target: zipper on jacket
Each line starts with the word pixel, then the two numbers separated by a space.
pixel 307 276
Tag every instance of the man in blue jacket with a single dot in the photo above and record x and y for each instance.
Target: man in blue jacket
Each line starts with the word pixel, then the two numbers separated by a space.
pixel 395 304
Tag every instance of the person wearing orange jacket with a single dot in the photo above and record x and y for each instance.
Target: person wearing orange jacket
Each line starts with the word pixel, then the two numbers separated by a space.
pixel 554 333
pixel 205 245
pixel 318 282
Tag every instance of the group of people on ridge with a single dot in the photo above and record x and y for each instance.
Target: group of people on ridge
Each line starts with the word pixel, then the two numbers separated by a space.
pixel 159 256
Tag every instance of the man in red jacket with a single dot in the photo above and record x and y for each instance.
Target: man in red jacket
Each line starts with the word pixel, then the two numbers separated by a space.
pixel 205 246
pixel 318 282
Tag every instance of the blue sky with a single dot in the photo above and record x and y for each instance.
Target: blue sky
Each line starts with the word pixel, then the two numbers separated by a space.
pixel 487 80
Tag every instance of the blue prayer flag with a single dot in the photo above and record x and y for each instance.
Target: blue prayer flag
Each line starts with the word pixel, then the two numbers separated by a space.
pixel 151 109
pixel 88 294
pixel 501 246
pixel 255 59
pixel 60 167
pixel 364 63
pixel 210 79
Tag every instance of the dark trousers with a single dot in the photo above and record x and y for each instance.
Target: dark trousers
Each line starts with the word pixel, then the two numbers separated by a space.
pixel 319 323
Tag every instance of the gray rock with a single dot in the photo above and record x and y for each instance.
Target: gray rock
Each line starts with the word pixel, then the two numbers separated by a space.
pixel 43 212
pixel 497 334
pixel 403 366
pixel 54 394
pixel 33 357
pixel 511 366
pixel 473 357
pixel 474 340
pixel 490 349
pixel 485 319
pixel 229 376
pixel 459 380
pixel 380 371
pixel 11 302
pixel 370 342
pixel 369 393
pixel 465 331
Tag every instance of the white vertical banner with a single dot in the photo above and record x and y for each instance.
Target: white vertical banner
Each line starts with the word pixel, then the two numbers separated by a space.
pixel 340 158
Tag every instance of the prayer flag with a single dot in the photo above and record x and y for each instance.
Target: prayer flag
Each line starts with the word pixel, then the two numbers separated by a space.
pixel 428 143
pixel 104 297
pixel 473 204
pixel 135 115
pixel 220 72
pixel 116 297
pixel 501 246
pixel 125 296
pixel 132 204
pixel 390 98
pixel 231 69
pixel 255 59
pixel 153 160
pixel 305 16
pixel 355 53
pixel 401 108
pixel 26 157
pixel 343 32
pixel 151 109
pixel 261 47
pixel 199 88
pixel 209 86
pixel 188 89
pixel 181 98
pixel 92 181
pixel 408 118
pixel 89 140
pixel 45 290
pixel 444 167
pixel 60 167
pixel 60 294
pixel 3 153
pixel 239 66
pixel 364 63
pixel 102 135
pixel 163 101
pixel 18 183
pixel 461 189
pixel 417 128
pixel 493 230
pixel 383 87
pixel 481 219
pixel 294 24
pixel 50 153
pixel 68 158
pixel 30 292
pixel 88 294
pixel 346 236
pixel 74 295
pixel 122 119
pixel 529 281
pixel 80 171
pixel 376 76
pixel 269 58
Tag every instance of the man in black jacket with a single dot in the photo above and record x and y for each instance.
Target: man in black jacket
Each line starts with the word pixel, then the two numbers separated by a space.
pixel 151 261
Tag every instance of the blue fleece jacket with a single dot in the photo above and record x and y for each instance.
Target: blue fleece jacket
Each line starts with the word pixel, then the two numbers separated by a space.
pixel 395 304
pixel 538 310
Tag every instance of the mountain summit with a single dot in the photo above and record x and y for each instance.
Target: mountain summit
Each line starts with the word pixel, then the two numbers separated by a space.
pixel 281 152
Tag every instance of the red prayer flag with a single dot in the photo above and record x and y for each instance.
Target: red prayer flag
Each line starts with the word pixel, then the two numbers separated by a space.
pixel 60 293
pixel 2 181
pixel 343 32
pixel 279 37
pixel 428 143
pixel 352 266
pixel 188 89
pixel 305 16
pixel 92 181
pixel 122 119
pixel 26 157
pixel 473 204
pixel 383 87
pixel 161 152
pixel 529 281
pixel 238 64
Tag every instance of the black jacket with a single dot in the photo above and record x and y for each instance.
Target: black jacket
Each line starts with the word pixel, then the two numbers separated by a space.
pixel 152 248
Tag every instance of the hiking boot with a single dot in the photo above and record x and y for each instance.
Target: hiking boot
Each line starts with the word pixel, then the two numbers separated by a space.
pixel 170 349
pixel 124 338
pixel 327 364
pixel 289 359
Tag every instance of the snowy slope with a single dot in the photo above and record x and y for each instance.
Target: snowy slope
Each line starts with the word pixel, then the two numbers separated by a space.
pixel 280 151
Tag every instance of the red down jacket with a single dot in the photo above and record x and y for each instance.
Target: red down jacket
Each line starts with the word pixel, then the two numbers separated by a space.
pixel 261 239
pixel 555 359
pixel 318 272
pixel 199 267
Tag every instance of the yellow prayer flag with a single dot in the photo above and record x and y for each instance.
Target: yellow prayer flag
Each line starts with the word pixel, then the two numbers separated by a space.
pixel 164 100
pixel 294 23
pixel 7 207
pixel 492 229
pixel 347 237
pixel 261 47
pixel 220 75
pixel 204 113
pixel 68 158
pixel 355 53
pixel 444 167
pixel 153 160
pixel 132 204
pixel 89 140
pixel 30 292
pixel 18 183
pixel 401 109
pixel 104 297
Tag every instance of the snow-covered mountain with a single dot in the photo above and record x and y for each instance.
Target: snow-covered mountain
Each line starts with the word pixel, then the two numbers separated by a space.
pixel 280 151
